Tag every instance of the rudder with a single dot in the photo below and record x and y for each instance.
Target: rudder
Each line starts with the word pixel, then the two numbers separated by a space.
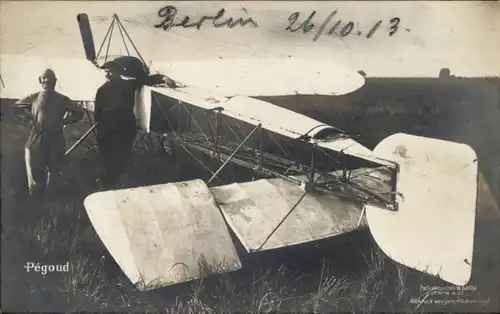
pixel 433 229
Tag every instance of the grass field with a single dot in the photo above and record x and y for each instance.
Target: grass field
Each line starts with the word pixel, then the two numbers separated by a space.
pixel 347 273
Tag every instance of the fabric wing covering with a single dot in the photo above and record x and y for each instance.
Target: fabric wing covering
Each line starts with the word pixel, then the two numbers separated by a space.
pixel 255 209
pixel 167 234
pixel 433 228
pixel 265 76
pixel 247 77
pixel 164 234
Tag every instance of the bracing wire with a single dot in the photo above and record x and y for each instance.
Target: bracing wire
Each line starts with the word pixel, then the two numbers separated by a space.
pixel 123 34
pixel 130 39
pixel 109 42
pixel 123 40
pixel 178 137
pixel 197 125
pixel 105 38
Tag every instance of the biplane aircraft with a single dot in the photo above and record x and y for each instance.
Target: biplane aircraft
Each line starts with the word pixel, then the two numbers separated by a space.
pixel 312 181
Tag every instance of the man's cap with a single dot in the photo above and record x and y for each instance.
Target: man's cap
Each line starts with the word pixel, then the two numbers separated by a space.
pixel 112 65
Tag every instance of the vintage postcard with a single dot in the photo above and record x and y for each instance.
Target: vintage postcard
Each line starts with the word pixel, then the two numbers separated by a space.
pixel 250 156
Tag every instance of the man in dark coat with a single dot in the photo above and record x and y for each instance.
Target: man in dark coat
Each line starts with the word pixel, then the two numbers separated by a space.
pixel 44 148
pixel 114 113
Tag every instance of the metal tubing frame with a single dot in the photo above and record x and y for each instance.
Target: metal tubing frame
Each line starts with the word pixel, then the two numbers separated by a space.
pixel 394 183
pixel 245 164
pixel 259 167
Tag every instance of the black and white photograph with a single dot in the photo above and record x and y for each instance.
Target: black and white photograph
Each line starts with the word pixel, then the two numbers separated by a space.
pixel 250 156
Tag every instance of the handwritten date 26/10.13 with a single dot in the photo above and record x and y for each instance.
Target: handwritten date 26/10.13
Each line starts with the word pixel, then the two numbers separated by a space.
pixel 337 28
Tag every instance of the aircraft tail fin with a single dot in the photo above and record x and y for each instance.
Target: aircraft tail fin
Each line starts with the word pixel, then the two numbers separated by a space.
pixel 432 229
pixel 87 37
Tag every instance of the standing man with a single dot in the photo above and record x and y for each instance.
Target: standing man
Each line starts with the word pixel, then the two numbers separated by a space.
pixel 115 118
pixel 44 149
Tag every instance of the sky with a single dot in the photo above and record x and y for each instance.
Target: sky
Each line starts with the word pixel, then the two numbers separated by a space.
pixel 462 36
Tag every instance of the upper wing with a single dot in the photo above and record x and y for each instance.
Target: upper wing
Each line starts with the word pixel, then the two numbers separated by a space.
pixel 78 79
pixel 264 77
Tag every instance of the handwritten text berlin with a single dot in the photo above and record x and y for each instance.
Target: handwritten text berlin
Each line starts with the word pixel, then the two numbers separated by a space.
pixel 171 18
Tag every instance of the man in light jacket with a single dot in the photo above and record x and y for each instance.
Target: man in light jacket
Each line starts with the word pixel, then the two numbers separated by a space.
pixel 44 149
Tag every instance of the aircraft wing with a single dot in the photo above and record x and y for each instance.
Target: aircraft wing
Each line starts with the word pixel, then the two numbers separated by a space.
pixel 76 78
pixel 79 78
pixel 273 213
pixel 264 77
pixel 249 76
pixel 171 233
